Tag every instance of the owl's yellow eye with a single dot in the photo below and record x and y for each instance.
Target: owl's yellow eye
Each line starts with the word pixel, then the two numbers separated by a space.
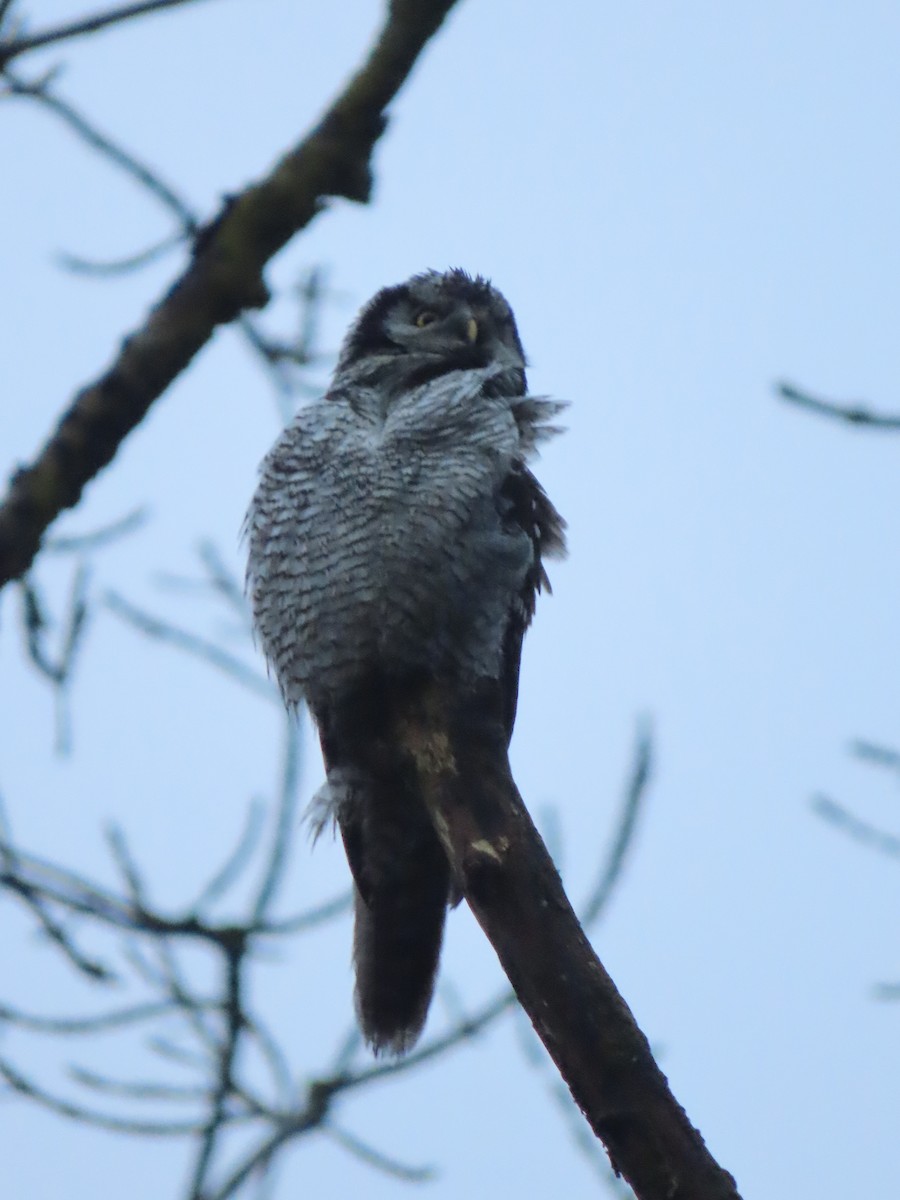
pixel 426 318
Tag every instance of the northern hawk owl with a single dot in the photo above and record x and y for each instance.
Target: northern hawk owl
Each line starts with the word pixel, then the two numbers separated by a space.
pixel 397 534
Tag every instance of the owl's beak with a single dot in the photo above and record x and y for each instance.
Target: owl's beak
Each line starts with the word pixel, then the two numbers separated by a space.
pixel 472 330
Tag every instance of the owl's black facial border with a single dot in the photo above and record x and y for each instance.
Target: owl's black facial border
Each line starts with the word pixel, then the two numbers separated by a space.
pixel 433 289
pixel 368 336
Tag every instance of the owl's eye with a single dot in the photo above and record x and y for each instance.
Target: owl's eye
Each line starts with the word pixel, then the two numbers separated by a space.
pixel 426 318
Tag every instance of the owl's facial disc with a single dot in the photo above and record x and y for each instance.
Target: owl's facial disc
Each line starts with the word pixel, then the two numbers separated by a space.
pixel 432 324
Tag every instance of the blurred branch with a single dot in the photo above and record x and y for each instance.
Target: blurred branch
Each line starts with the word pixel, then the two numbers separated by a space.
pixel 40 92
pixel 197 647
pixel 78 1112
pixel 375 1158
pixel 861 831
pixel 81 542
pixel 879 756
pixel 223 279
pixel 273 354
pixel 13 47
pixel 220 1040
pixel 853 414
pixel 119 266
pixel 57 670
pixel 641 771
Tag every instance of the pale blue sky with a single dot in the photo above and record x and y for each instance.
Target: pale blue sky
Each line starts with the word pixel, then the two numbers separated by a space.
pixel 683 203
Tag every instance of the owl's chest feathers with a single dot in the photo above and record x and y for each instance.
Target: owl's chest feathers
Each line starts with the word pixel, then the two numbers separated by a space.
pixel 400 553
pixel 432 450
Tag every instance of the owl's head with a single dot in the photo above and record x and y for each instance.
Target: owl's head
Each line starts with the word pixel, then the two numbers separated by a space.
pixel 433 323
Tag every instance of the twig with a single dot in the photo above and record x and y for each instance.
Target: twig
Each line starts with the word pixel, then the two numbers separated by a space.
pixel 233 1010
pixel 148 178
pixel 76 1112
pixel 119 266
pixel 223 279
pixel 376 1158
pixel 236 862
pixel 97 1023
pixel 880 756
pixel 78 543
pixel 861 831
pixel 196 646
pixel 136 1090
pixel 222 580
pixel 640 776
pixel 853 414
pixel 86 25
pixel 285 821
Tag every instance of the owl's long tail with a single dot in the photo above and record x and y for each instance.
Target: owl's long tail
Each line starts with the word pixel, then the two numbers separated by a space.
pixel 399 867
pixel 398 931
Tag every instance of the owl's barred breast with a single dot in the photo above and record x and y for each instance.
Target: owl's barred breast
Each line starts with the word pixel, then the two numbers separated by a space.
pixel 397 530
pixel 377 538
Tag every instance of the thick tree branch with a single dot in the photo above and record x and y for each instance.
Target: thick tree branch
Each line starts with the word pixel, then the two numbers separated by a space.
pixel 223 279
pixel 509 881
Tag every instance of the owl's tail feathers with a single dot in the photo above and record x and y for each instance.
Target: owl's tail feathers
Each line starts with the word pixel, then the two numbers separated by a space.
pixel 396 946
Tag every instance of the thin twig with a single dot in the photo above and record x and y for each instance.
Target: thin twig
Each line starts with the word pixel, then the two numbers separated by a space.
pixel 286 819
pixel 199 647
pixel 79 28
pixel 148 178
pixel 77 1112
pixel 376 1158
pixel 232 1007
pixel 79 543
pixel 853 414
pixel 861 831
pixel 881 756
pixel 104 268
pixel 236 862
pixel 641 771
pixel 96 1023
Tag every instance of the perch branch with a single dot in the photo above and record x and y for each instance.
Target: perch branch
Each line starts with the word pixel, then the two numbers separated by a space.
pixel 458 753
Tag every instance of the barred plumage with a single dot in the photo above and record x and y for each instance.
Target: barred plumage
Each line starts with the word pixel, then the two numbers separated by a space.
pixel 397 532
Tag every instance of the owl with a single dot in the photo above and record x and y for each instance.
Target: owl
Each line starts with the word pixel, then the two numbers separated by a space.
pixel 397 535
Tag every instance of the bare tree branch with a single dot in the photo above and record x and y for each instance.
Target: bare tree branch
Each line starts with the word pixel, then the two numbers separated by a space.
pixel 223 279
pixel 273 355
pixel 515 893
pixel 853 414
pixel 72 29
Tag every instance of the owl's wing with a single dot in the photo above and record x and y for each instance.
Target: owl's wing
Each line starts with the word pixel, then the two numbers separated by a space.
pixel 527 507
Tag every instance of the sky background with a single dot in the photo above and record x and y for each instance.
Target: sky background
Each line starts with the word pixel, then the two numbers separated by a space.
pixel 683 203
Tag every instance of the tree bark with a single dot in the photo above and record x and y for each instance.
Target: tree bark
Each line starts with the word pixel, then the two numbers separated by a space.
pixel 223 278
pixel 514 890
